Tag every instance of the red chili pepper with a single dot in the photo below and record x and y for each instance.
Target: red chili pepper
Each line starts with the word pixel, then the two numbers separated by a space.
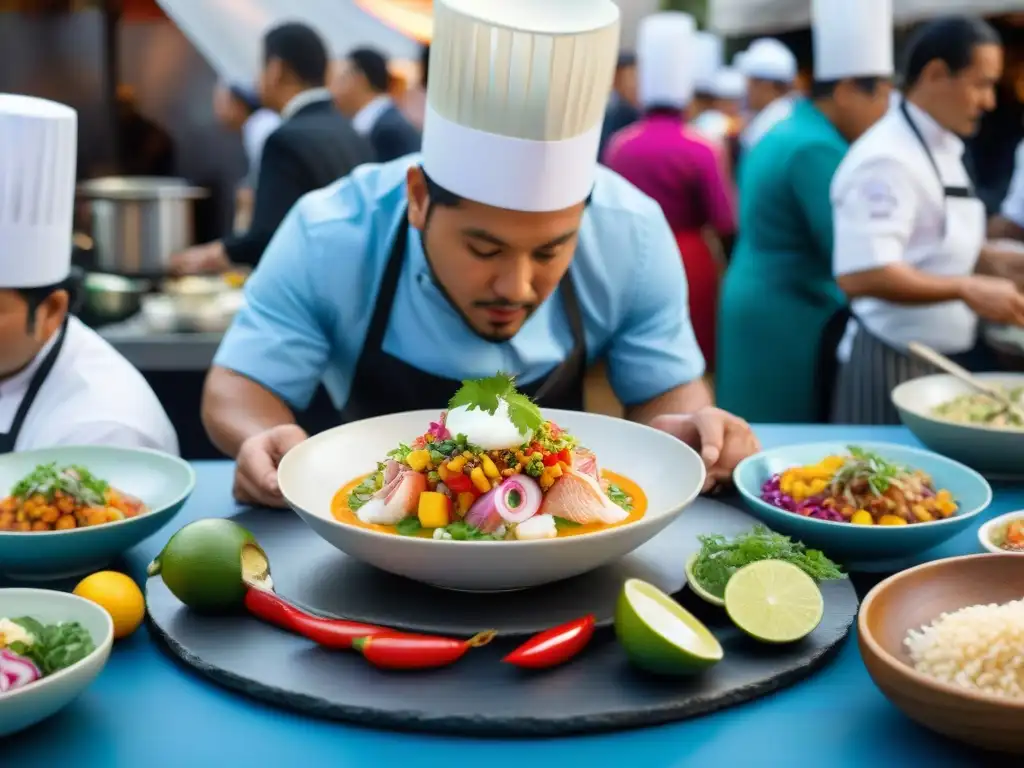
pixel 459 482
pixel 565 456
pixel 336 634
pixel 404 651
pixel 553 646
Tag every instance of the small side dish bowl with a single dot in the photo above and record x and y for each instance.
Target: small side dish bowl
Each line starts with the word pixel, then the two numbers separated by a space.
pixel 990 450
pixel 37 701
pixel 917 597
pixel 161 481
pixel 858 546
pixel 695 586
pixel 669 472
pixel 993 533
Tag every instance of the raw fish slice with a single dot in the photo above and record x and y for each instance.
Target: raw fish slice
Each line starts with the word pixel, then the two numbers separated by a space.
pixel 586 462
pixel 396 501
pixel 578 497
pixel 391 470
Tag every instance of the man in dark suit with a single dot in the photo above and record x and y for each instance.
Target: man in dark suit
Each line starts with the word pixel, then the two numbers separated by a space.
pixel 314 146
pixel 622 107
pixel 360 90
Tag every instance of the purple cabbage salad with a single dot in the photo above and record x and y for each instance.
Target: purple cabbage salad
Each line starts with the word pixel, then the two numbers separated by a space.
pixel 812 507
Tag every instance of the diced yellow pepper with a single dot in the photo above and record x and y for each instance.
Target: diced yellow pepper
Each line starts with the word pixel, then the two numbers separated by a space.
pixel 456 464
pixel 555 470
pixel 418 460
pixel 466 500
pixel 922 514
pixel 817 486
pixel 433 509
pixel 892 520
pixel 443 472
pixel 480 480
pixel 862 517
pixel 489 469
pixel 546 480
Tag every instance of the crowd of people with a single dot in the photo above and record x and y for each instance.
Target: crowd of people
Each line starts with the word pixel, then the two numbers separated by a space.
pixel 569 205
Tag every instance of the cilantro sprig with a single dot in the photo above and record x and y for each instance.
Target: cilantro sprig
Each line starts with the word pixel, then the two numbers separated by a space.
pixel 75 481
pixel 488 394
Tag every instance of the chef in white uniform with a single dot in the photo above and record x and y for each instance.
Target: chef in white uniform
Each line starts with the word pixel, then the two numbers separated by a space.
pixel 709 51
pixel 60 383
pixel 1009 222
pixel 909 246
pixel 771 70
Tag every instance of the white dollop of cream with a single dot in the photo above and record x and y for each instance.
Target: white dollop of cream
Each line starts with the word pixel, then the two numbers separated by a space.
pixel 490 431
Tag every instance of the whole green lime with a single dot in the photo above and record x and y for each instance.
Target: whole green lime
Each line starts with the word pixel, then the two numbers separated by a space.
pixel 209 565
pixel 659 635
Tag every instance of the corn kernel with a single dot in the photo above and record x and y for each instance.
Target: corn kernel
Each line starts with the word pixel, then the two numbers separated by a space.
pixel 480 480
pixel 489 469
pixel 456 464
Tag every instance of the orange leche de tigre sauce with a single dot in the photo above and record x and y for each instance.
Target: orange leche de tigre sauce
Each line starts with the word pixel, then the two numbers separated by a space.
pixel 342 513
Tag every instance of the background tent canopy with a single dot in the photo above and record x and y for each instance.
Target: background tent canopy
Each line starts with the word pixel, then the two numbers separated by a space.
pixel 750 17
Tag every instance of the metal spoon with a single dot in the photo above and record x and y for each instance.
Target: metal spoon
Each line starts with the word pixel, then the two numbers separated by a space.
pixel 942 362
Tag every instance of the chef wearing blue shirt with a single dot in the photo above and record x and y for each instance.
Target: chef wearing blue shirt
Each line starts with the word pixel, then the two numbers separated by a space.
pixel 503 247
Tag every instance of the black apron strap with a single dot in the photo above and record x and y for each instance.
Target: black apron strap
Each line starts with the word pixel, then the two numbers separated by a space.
pixel 964 193
pixel 8 440
pixel 388 287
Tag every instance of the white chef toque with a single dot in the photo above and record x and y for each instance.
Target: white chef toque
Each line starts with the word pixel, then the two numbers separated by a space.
pixel 516 99
pixel 768 59
pixel 710 57
pixel 38 157
pixel 665 59
pixel 729 84
pixel 852 39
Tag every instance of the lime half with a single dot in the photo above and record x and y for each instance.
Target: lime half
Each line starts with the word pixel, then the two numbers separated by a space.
pixel 774 602
pixel 661 636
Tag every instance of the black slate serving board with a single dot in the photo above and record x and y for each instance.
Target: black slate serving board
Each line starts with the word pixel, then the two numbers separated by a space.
pixel 479 695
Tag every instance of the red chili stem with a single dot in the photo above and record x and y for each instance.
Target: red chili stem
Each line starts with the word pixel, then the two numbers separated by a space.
pixel 554 646
pixel 336 634
pixel 404 651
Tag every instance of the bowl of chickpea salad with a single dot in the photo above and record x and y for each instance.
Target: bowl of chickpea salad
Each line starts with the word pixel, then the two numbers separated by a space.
pixel 71 510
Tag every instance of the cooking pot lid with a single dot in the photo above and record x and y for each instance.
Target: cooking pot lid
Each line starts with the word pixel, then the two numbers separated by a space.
pixel 140 188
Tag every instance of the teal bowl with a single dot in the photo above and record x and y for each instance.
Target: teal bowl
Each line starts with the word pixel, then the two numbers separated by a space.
pixel 161 481
pixel 860 547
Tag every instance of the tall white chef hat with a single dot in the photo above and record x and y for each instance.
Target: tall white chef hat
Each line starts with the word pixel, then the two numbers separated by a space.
pixel 710 57
pixel 666 58
pixel 768 59
pixel 729 83
pixel 516 99
pixel 38 155
pixel 852 39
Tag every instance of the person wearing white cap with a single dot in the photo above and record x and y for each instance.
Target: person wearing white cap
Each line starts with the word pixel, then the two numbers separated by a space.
pixel 722 121
pixel 910 248
pixel 503 247
pixel 682 170
pixel 709 53
pixel 60 383
pixel 780 305
pixel 771 70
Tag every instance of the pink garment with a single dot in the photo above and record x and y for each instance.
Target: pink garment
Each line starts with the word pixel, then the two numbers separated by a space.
pixel 683 171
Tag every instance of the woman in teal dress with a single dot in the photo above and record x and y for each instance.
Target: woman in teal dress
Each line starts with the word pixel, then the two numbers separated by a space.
pixel 779 296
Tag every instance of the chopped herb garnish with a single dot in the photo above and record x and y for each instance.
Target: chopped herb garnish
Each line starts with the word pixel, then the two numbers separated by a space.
pixel 720 558
pixel 620 497
pixel 878 473
pixel 562 524
pixel 463 531
pixel 401 453
pixel 74 481
pixel 363 492
pixel 410 526
pixel 487 395
pixel 55 646
pixel 534 467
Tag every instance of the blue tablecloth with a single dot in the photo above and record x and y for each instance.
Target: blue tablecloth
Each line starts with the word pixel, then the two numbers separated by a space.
pixel 146 711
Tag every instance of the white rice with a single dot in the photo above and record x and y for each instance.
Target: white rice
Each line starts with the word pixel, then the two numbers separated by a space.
pixel 979 648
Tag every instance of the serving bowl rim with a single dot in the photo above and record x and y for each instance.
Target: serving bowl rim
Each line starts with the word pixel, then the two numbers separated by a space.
pixel 179 498
pixel 993 375
pixel 103 645
pixel 956 519
pixel 615 530
pixel 905 670
pixel 985 532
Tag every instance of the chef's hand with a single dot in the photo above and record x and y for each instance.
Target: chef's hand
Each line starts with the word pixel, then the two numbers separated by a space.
pixel 996 299
pixel 201 260
pixel 256 470
pixel 722 439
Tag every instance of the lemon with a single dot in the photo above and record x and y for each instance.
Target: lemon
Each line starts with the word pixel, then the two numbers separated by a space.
pixel 774 601
pixel 659 635
pixel 119 596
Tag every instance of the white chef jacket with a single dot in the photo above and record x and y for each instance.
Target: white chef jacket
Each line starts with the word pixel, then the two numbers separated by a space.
pixel 92 396
pixel 1013 206
pixel 889 206
pixel 766 119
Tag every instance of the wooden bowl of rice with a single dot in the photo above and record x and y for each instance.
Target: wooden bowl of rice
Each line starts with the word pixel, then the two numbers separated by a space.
pixel 945 643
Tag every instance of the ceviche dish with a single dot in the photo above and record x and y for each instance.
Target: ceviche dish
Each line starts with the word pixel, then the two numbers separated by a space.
pixel 31 651
pixel 861 488
pixel 54 498
pixel 982 410
pixel 491 468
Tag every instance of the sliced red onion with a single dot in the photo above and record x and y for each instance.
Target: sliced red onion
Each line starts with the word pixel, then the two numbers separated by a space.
pixel 518 498
pixel 483 515
pixel 16 671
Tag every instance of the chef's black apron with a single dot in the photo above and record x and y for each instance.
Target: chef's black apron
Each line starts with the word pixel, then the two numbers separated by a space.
pixel 383 384
pixel 8 440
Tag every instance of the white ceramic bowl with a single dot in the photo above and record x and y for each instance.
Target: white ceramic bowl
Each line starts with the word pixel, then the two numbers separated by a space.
pixel 670 473
pixel 992 451
pixel 993 531
pixel 29 705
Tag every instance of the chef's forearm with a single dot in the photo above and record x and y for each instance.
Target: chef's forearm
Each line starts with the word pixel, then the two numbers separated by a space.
pixel 688 398
pixel 236 408
pixel 1001 228
pixel 901 284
